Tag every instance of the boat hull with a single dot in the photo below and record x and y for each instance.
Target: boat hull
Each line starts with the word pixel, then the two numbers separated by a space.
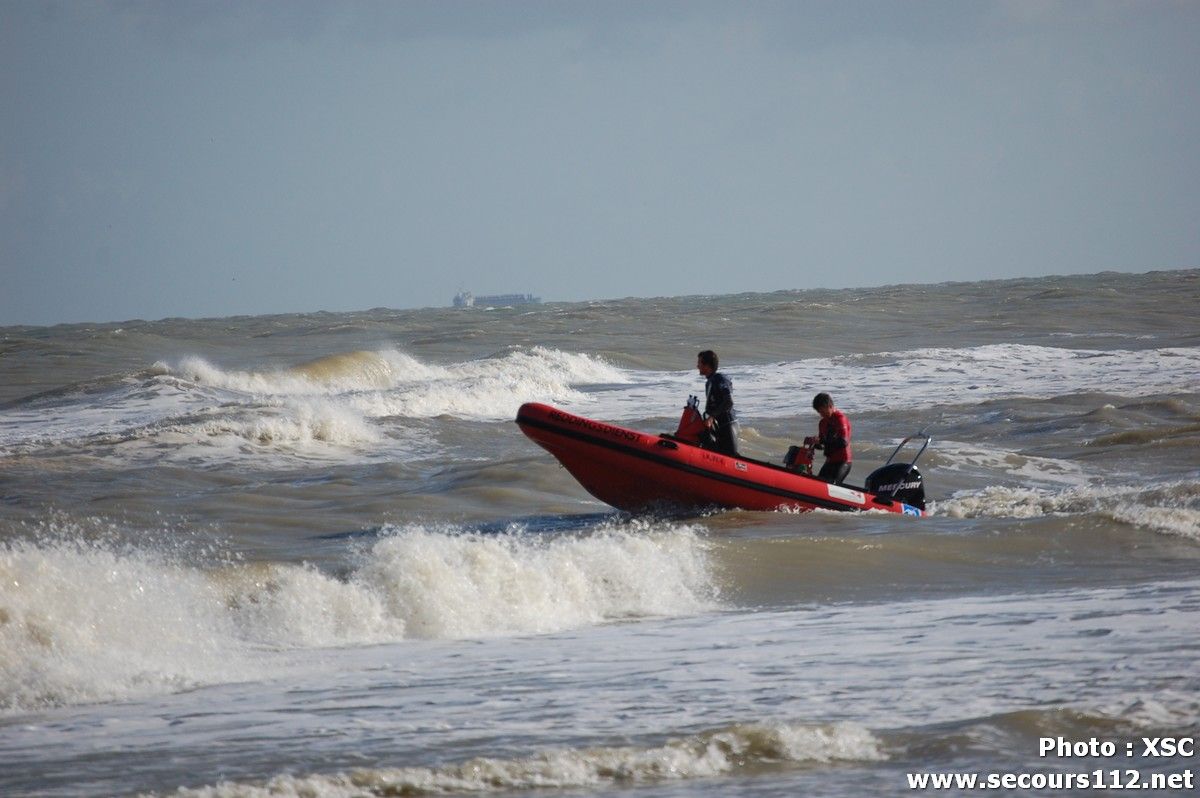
pixel 636 471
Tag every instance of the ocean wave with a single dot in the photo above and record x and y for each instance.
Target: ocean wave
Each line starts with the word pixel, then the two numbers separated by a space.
pixel 477 585
pixel 1171 508
pixel 353 400
pixel 333 374
pixel 530 373
pixel 388 383
pixel 917 379
pixel 987 460
pixel 85 620
pixel 742 749
pixel 729 750
pixel 338 406
pixel 300 423
pixel 1167 711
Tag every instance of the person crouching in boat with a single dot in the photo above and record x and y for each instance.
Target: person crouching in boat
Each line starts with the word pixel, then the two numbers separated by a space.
pixel 719 415
pixel 833 437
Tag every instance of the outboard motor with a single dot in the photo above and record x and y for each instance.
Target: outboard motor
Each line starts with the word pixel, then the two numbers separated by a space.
pixel 900 482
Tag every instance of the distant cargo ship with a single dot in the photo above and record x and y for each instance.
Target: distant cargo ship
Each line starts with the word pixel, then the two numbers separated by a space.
pixel 465 299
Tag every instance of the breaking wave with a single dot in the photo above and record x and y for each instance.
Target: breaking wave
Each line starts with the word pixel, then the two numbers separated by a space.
pixel 987 460
pixel 970 375
pixel 919 378
pixel 730 750
pixel 82 619
pixel 1169 508
pixel 400 385
pixel 743 749
pixel 348 404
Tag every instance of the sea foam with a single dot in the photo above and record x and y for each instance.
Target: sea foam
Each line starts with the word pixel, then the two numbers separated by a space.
pixel 356 405
pixel 345 406
pixel 1169 508
pixel 399 384
pixel 475 585
pixel 87 620
pixel 719 752
pixel 919 378
pixel 84 621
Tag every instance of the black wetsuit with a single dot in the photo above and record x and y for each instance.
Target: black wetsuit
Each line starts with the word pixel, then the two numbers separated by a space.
pixel 718 404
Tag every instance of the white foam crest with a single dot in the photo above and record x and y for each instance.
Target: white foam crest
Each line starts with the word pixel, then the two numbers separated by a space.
pixel 127 408
pixel 920 378
pixel 83 622
pixel 291 606
pixel 967 375
pixel 384 384
pixel 448 584
pixel 466 585
pixel 491 396
pixel 570 367
pixel 982 459
pixel 700 756
pixel 308 427
pixel 494 388
pixel 1162 709
pixel 295 424
pixel 333 374
pixel 1181 522
pixel 329 407
pixel 539 367
pixel 1170 508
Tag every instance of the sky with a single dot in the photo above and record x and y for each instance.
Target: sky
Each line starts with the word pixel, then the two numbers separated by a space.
pixel 202 159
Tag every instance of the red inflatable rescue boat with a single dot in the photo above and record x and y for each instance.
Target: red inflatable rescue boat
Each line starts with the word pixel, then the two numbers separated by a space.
pixel 637 471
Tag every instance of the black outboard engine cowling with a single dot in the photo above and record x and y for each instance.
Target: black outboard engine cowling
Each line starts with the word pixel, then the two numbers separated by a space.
pixel 900 482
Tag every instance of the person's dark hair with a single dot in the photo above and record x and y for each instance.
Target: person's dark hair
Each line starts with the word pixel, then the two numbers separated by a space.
pixel 708 358
pixel 822 400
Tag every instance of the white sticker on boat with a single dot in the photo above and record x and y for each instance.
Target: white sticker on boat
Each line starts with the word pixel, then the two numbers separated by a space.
pixel 846 495
pixel 740 466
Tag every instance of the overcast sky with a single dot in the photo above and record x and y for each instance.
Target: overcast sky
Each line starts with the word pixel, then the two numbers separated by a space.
pixel 211 158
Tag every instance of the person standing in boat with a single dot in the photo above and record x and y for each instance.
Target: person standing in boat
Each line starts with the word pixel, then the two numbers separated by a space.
pixel 833 437
pixel 719 415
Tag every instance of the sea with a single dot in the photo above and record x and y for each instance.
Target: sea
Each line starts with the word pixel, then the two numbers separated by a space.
pixel 313 555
